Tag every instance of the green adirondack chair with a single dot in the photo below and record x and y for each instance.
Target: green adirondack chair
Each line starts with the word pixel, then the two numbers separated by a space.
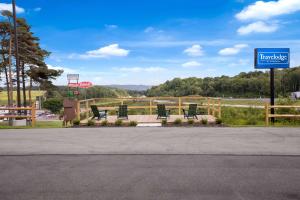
pixel 162 112
pixel 98 113
pixel 122 112
pixel 191 112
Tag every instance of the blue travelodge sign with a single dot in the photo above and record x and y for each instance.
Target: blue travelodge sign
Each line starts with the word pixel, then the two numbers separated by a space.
pixel 266 58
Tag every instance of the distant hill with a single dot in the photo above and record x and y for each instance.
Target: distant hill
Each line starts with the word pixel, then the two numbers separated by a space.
pixel 251 84
pixel 130 87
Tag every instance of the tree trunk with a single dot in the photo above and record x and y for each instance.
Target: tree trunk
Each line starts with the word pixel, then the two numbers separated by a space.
pixel 7 85
pixel 6 79
pixel 29 91
pixel 10 74
pixel 23 85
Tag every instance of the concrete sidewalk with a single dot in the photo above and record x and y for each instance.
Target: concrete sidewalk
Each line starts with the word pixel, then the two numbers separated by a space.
pixel 235 141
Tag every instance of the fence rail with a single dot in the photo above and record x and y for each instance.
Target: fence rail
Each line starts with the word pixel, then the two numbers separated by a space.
pixel 15 115
pixel 213 105
pixel 268 107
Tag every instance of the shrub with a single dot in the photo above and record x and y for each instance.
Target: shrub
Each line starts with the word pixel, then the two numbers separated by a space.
pixel 132 123
pixel 251 120
pixel 118 122
pixel 177 121
pixel 219 121
pixel 82 116
pixel 164 122
pixel 204 121
pixel 104 123
pixel 53 104
pixel 76 122
pixel 191 121
pixel 91 122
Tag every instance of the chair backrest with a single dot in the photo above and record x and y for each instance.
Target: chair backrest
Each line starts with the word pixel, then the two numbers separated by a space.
pixel 122 111
pixel 95 110
pixel 161 110
pixel 192 109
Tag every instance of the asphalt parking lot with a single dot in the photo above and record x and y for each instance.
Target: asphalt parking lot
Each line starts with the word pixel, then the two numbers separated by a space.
pixel 150 163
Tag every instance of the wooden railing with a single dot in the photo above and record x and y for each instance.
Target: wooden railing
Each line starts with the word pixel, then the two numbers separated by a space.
pixel 213 105
pixel 268 107
pixel 15 115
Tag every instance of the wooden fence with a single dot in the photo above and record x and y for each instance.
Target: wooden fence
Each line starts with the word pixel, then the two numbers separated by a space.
pixel 213 105
pixel 268 108
pixel 15 115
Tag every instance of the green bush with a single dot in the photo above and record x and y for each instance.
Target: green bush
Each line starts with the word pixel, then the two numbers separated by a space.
pixel 53 104
pixel 164 122
pixel 133 123
pixel 191 121
pixel 219 121
pixel 82 116
pixel 204 121
pixel 104 123
pixel 118 122
pixel 76 122
pixel 177 121
pixel 251 120
pixel 91 122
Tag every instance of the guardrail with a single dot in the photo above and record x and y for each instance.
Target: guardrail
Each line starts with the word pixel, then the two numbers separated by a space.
pixel 268 107
pixel 213 105
pixel 15 115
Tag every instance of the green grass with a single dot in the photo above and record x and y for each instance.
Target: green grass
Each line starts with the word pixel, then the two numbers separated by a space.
pixel 39 124
pixel 253 117
pixel 34 94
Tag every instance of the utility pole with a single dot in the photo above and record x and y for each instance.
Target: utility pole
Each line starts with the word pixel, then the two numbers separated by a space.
pixel 16 54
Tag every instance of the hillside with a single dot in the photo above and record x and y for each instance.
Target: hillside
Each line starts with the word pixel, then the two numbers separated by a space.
pixel 93 92
pixel 251 84
pixel 130 87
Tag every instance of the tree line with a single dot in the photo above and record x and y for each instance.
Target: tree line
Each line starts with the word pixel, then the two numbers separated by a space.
pixel 30 67
pixel 251 84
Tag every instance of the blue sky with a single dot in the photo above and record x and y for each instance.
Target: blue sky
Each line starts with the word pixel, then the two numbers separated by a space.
pixel 151 41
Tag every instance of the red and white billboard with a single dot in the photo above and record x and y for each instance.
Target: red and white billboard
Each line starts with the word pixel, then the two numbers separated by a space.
pixel 73 85
pixel 85 84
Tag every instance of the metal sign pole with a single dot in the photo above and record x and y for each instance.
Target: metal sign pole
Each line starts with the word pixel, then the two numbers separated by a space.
pixel 272 93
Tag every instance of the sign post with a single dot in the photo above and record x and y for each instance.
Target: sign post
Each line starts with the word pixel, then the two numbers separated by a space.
pixel 271 58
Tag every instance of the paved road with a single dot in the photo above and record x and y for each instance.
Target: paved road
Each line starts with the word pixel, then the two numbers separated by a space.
pixel 145 177
pixel 237 141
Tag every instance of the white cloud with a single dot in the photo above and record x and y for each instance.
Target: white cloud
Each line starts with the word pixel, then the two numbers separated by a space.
pixel 240 62
pixel 7 6
pixel 38 9
pixel 257 27
pixel 111 26
pixel 191 64
pixel 149 29
pixel 112 50
pixel 194 51
pixel 261 10
pixel 141 69
pixel 66 69
pixel 232 50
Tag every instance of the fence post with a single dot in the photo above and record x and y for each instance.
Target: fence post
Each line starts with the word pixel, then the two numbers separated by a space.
pixel 214 111
pixel 150 104
pixel 33 118
pixel 78 109
pixel 179 105
pixel 208 106
pixel 220 109
pixel 87 109
pixel 267 114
